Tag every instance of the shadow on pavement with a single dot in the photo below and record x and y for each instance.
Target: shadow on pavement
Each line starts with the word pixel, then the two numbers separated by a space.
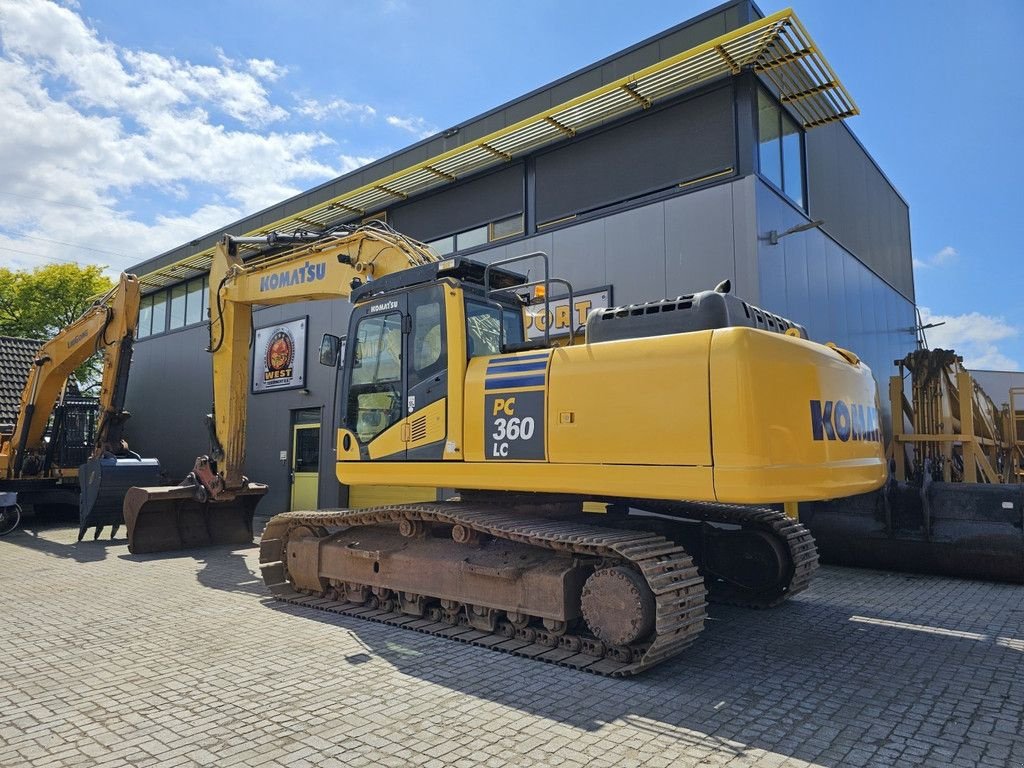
pixel 812 679
pixel 40 532
pixel 223 568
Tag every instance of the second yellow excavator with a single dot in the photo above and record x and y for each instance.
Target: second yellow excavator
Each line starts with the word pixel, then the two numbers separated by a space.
pixel 674 417
pixel 29 462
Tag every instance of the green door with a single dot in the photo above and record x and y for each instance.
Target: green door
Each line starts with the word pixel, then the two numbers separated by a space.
pixel 305 466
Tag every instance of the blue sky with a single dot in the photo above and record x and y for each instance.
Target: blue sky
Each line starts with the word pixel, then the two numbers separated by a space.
pixel 133 127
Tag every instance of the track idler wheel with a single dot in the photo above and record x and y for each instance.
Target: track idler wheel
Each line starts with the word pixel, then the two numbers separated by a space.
pixel 618 605
pixel 751 560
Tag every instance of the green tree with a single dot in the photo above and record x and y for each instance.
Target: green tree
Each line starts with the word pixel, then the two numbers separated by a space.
pixel 38 303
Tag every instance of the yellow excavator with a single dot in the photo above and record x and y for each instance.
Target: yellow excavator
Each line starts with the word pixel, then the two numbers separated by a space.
pixel 674 418
pixel 29 464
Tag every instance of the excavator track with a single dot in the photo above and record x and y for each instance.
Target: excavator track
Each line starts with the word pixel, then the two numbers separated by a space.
pixel 792 534
pixel 794 540
pixel 665 568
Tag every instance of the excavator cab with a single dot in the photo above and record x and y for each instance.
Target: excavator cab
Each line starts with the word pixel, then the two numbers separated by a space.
pixel 409 340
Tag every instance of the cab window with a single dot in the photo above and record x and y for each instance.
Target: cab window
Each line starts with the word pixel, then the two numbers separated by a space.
pixel 375 394
pixel 484 328
pixel 427 338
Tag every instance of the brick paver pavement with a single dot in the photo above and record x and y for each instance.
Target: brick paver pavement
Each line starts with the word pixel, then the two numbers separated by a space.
pixel 108 659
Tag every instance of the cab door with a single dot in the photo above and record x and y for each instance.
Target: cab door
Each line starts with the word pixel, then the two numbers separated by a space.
pixel 374 402
pixel 426 373
pixel 396 377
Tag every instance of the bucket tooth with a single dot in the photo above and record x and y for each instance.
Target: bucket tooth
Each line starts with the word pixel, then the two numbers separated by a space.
pixel 167 519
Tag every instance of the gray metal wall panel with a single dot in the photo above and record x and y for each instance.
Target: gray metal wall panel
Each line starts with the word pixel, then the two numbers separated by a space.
pixel 860 208
pixel 841 300
pixel 656 151
pixel 744 239
pixel 699 250
pixel 635 254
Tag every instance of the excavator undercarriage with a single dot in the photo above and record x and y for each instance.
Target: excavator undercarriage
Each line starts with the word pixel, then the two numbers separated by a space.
pixel 539 580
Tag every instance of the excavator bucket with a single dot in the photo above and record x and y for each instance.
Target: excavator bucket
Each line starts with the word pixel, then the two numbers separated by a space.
pixel 104 483
pixel 171 518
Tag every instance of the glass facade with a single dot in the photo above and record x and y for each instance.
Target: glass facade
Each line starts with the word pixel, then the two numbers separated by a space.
pixel 780 148
pixel 195 308
pixel 180 306
pixel 177 307
pixel 159 312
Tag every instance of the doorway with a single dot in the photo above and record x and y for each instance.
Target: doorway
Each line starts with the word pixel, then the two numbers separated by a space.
pixel 305 468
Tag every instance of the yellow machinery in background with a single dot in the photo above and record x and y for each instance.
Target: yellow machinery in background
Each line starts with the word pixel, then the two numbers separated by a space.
pixel 954 503
pixel 702 397
pixel 950 428
pixel 28 460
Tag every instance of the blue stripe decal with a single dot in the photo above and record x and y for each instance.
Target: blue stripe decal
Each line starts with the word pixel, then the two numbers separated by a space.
pixel 518 358
pixel 540 365
pixel 514 381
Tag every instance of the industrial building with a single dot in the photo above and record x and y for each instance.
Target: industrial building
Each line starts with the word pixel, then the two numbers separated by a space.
pixel 717 149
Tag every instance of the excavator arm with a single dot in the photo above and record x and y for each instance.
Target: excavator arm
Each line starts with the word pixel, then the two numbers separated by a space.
pixel 108 326
pixel 215 503
pixel 330 268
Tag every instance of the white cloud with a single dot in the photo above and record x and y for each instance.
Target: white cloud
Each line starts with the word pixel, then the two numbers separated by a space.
pixel 943 256
pixel 95 135
pixel 266 69
pixel 319 110
pixel 973 336
pixel 417 126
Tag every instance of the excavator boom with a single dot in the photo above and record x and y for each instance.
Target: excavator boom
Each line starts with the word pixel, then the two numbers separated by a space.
pixel 215 503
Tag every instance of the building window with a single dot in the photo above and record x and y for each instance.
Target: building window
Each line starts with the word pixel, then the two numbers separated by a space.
pixel 474 238
pixel 159 312
pixel 780 148
pixel 443 246
pixel 145 325
pixel 471 239
pixel 177 313
pixel 196 302
pixel 509 227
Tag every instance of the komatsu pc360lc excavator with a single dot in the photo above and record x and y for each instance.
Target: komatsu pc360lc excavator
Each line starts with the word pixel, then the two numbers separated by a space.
pixel 28 464
pixel 703 398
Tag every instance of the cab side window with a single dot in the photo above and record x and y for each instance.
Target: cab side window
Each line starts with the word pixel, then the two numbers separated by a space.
pixel 484 328
pixel 427 339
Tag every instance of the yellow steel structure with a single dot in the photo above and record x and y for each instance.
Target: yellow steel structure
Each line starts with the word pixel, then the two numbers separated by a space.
pixel 108 326
pixel 949 426
pixel 778 47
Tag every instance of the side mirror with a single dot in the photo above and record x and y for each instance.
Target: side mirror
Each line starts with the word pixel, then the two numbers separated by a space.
pixel 332 349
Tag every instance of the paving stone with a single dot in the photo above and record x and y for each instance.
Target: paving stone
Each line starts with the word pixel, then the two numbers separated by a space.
pixel 115 660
